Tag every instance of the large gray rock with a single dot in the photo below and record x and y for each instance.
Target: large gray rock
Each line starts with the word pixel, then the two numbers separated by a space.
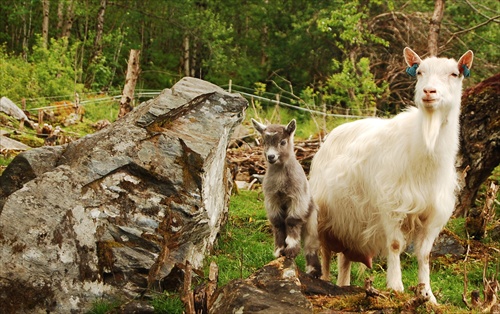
pixel 112 213
pixel 9 107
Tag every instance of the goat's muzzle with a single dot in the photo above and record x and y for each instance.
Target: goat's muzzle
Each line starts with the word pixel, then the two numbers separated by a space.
pixel 272 158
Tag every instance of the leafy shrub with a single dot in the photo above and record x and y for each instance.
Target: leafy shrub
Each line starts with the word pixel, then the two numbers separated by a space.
pixel 47 73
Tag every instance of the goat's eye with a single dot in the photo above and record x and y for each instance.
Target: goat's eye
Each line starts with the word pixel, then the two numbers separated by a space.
pixel 283 142
pixel 419 72
pixel 454 74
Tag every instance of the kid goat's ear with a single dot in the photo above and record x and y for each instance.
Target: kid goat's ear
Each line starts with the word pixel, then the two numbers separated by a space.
pixel 290 128
pixel 258 126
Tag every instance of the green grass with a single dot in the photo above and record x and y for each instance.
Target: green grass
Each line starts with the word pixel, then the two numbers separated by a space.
pixel 102 110
pixel 167 304
pixel 246 244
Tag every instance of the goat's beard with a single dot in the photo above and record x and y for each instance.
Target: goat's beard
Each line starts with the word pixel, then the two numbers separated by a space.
pixel 431 126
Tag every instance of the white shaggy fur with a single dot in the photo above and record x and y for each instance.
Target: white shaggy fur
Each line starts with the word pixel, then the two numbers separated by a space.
pixel 383 183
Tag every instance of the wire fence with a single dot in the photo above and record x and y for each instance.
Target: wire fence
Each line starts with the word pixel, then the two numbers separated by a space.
pixel 247 93
pixel 280 99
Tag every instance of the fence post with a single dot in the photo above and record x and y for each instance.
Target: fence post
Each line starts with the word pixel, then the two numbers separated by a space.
pixel 40 117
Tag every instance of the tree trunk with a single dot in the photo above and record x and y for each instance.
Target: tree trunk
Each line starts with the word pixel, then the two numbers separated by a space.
pixel 45 23
pixel 435 27
pixel 66 30
pixel 26 31
pixel 97 47
pixel 479 144
pixel 60 16
pixel 185 45
pixel 133 71
pixel 99 29
pixel 194 60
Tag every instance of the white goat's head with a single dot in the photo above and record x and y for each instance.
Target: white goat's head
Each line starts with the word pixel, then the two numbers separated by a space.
pixel 277 141
pixel 438 90
pixel 439 80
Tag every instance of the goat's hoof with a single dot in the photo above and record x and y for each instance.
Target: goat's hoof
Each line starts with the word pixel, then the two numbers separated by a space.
pixel 291 252
pixel 315 273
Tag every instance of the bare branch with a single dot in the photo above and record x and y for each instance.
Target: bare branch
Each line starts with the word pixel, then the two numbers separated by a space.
pixel 493 19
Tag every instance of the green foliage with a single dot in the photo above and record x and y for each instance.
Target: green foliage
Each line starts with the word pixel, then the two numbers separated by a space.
pixel 53 69
pixel 351 83
pixel 345 24
pixel 314 45
pixel 167 304
pixel 354 87
pixel 48 72
pixel 15 76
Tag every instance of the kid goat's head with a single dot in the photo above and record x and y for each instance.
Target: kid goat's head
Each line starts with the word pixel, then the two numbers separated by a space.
pixel 277 140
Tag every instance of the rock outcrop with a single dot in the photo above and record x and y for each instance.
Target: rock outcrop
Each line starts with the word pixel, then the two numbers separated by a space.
pixel 112 213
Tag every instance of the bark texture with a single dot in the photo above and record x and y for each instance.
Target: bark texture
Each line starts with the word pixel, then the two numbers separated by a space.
pixel 479 141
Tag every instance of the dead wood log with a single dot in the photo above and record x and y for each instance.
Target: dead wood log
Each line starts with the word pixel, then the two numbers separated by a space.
pixel 479 127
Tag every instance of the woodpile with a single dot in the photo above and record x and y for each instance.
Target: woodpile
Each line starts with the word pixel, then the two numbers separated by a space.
pixel 247 161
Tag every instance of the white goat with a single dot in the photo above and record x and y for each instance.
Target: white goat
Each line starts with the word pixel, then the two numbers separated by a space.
pixel 383 183
pixel 287 198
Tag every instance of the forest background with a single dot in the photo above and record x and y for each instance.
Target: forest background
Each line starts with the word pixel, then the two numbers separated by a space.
pixel 330 55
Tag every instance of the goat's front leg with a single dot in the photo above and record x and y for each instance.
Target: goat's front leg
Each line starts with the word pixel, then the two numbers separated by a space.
pixel 395 245
pixel 279 231
pixel 423 247
pixel 293 235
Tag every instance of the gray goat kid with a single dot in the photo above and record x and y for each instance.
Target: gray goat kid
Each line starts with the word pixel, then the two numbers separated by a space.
pixel 289 205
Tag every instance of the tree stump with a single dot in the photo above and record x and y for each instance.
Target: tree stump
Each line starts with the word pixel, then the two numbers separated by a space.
pixel 133 70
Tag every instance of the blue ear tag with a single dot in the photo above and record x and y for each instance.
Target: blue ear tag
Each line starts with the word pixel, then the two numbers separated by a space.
pixel 412 71
pixel 466 70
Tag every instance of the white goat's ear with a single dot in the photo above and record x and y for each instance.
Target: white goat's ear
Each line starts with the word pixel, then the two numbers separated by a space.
pixel 411 57
pixel 292 125
pixel 258 126
pixel 465 63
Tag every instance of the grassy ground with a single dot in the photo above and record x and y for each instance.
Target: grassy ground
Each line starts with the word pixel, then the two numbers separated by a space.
pixel 246 244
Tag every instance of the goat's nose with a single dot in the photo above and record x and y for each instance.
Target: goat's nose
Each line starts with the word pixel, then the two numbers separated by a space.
pixel 429 90
pixel 271 157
